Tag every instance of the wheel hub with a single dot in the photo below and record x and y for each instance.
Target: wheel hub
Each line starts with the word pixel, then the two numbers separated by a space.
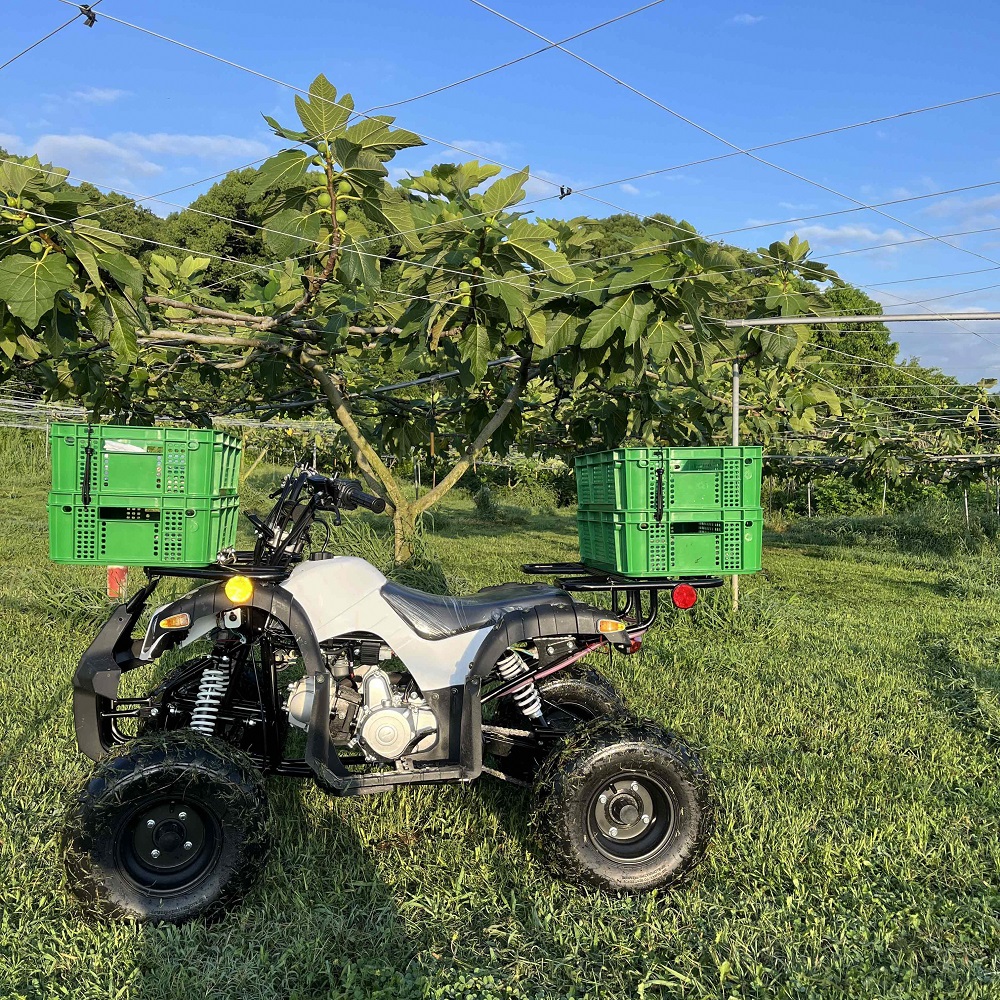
pixel 624 810
pixel 168 837
pixel 631 818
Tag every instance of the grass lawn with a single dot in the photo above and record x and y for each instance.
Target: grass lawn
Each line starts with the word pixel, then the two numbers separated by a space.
pixel 849 716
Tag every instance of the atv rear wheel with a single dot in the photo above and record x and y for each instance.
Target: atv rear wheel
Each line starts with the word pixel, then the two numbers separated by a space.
pixel 171 826
pixel 569 698
pixel 625 806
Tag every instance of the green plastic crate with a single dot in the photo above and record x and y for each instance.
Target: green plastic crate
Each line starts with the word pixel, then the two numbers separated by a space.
pixel 151 461
pixel 683 543
pixel 638 479
pixel 131 530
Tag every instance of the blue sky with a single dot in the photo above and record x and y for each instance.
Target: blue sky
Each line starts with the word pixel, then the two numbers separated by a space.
pixel 132 112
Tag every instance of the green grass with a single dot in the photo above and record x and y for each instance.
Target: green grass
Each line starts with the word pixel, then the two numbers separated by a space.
pixel 849 715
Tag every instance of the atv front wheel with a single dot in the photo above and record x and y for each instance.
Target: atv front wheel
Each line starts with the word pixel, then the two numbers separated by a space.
pixel 569 698
pixel 625 806
pixel 171 826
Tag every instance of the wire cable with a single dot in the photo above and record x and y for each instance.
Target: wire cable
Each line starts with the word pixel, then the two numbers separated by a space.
pixel 45 38
pixel 512 62
pixel 714 135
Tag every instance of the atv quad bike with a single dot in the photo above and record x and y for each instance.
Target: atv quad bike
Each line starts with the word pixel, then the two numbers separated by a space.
pixel 388 686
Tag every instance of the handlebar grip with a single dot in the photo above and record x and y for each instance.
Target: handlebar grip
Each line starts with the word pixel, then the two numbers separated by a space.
pixel 357 495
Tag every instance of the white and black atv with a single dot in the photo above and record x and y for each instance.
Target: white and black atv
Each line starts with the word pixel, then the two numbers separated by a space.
pixel 391 686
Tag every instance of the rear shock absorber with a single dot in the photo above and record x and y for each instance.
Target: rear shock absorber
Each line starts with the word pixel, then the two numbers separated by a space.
pixel 211 691
pixel 511 666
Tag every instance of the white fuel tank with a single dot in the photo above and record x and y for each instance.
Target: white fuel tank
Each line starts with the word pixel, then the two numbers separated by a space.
pixel 342 595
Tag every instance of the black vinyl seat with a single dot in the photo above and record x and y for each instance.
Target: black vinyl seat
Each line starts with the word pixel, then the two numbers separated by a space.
pixel 433 616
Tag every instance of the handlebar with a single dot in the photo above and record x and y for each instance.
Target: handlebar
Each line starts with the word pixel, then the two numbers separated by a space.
pixel 353 493
pixel 283 533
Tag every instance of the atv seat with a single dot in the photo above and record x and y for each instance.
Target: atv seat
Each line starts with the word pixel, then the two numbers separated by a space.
pixel 433 616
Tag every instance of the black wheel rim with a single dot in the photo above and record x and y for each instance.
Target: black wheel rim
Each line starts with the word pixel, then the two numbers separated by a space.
pixel 631 818
pixel 167 846
pixel 566 714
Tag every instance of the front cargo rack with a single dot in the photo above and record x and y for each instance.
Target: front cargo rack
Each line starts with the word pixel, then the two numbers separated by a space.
pixel 626 591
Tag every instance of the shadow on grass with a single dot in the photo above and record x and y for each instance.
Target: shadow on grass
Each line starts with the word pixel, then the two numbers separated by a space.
pixel 966 690
pixel 321 889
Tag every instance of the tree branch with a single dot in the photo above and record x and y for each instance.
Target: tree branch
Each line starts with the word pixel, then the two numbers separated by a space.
pixel 371 465
pixel 482 439
pixel 182 336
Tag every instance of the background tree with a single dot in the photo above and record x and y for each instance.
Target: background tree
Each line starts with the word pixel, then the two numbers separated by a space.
pixel 554 342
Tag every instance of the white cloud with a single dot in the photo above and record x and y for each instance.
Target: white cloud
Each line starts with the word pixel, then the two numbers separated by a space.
pixel 123 160
pixel 847 236
pixel 10 142
pixel 489 150
pixel 744 20
pixel 792 206
pixel 99 95
pixel 981 211
pixel 630 189
pixel 100 161
pixel 204 147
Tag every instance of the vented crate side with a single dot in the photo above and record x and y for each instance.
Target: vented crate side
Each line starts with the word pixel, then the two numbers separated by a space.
pixel 135 530
pixel 167 461
pixel 637 479
pixel 683 543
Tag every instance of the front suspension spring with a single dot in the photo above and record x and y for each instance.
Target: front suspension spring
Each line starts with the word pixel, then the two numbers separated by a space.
pixel 211 690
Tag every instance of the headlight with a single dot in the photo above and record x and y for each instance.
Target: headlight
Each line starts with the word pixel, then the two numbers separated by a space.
pixel 239 589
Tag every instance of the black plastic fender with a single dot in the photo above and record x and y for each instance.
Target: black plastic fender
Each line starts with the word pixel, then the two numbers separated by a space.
pixel 544 620
pixel 113 650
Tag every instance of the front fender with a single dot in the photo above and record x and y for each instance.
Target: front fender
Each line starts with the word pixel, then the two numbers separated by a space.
pixel 95 683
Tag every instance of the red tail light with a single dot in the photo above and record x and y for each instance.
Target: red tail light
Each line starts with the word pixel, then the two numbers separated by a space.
pixel 635 644
pixel 684 596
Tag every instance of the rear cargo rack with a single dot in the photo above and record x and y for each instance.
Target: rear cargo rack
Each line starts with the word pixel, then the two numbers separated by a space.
pixel 626 591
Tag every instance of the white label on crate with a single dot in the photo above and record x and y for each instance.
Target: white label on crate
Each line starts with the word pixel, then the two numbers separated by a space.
pixel 124 446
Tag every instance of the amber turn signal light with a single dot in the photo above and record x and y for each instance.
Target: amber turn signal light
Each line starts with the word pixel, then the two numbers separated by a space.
pixel 176 621
pixel 610 625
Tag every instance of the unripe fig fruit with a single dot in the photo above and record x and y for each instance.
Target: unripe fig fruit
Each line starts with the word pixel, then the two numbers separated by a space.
pixel 28 224
pixel 324 200
pixel 344 187
pixel 322 147
pixel 341 217
pixel 318 161
pixel 476 262
pixel 36 247
pixel 27 203
pixel 464 286
pixel 466 301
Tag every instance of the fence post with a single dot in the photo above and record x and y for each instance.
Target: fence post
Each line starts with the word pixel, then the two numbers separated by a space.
pixel 885 487
pixel 809 497
pixel 736 442
pixel 117 582
pixel 965 491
